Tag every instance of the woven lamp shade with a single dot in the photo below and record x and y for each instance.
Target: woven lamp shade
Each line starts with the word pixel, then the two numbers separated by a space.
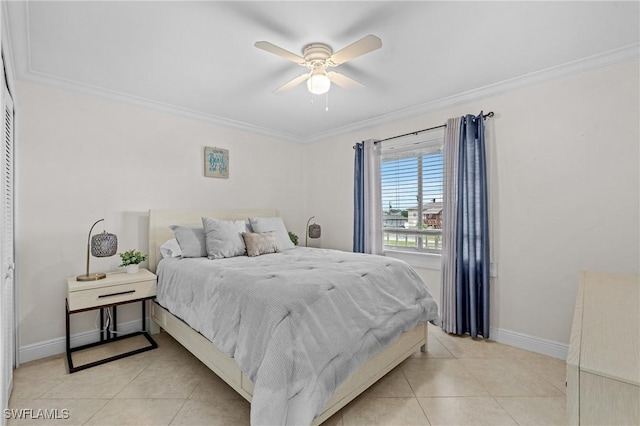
pixel 315 231
pixel 104 244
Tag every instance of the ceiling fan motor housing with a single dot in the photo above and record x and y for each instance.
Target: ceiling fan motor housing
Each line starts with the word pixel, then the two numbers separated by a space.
pixel 316 53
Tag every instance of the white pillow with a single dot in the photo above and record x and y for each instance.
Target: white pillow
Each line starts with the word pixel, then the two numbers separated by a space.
pixel 224 237
pixel 266 224
pixel 170 248
pixel 191 240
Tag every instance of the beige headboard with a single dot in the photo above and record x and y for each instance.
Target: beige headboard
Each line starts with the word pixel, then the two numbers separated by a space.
pixel 160 220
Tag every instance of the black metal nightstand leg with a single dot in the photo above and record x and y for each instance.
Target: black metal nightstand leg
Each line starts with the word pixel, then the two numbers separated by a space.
pixel 106 331
pixel 144 315
pixel 68 328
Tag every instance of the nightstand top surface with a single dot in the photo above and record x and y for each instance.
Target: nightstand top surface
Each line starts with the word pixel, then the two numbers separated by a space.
pixel 113 278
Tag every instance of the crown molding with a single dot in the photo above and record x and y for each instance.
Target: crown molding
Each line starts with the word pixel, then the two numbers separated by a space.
pixel 580 66
pixel 18 14
pixel 592 63
pixel 36 77
pixel 22 71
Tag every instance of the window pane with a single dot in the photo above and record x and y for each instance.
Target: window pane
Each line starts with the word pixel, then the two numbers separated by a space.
pixel 399 182
pixel 408 225
pixel 432 178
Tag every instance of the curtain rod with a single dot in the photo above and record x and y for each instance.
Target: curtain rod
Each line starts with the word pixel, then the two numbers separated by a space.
pixel 485 116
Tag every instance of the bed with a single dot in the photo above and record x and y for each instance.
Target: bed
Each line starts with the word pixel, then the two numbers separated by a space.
pixel 386 350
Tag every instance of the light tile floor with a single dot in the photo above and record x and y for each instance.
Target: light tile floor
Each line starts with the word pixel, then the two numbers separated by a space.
pixel 458 381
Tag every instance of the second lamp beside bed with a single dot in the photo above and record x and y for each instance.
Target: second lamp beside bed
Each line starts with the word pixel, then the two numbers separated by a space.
pixel 312 231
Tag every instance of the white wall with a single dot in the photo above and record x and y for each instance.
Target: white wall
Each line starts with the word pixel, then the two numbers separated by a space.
pixel 564 168
pixel 81 158
pixel 564 163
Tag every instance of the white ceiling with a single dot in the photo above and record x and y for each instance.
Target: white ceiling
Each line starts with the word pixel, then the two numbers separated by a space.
pixel 198 58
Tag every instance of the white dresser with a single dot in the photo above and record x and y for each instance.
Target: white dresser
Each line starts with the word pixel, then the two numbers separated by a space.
pixel 603 365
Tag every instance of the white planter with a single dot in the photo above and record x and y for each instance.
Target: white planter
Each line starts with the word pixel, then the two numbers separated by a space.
pixel 132 269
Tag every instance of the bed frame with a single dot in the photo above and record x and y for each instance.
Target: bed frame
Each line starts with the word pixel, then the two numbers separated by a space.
pixel 223 365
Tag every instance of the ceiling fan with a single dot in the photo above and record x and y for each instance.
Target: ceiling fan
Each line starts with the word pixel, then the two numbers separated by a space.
pixel 317 57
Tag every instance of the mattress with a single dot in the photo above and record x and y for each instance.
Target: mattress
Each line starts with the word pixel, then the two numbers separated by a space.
pixel 298 323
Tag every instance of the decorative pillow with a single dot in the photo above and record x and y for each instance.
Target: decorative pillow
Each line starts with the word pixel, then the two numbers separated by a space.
pixel 224 237
pixel 265 224
pixel 191 240
pixel 260 243
pixel 171 248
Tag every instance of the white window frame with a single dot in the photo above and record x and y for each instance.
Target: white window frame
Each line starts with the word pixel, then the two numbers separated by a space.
pixel 415 256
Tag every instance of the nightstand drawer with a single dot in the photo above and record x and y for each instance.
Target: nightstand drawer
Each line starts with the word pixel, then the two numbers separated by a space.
pixel 106 295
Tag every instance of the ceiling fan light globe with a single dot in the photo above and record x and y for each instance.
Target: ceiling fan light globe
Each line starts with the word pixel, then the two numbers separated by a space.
pixel 318 84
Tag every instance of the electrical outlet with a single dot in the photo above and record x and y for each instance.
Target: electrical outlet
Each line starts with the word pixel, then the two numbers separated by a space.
pixel 493 269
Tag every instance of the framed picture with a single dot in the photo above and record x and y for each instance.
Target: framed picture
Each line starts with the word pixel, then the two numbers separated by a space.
pixel 216 162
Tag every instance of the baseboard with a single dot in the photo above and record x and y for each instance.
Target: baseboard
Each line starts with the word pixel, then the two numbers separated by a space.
pixel 507 337
pixel 57 346
pixel 530 343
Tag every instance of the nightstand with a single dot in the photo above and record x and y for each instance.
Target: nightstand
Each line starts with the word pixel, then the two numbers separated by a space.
pixel 106 294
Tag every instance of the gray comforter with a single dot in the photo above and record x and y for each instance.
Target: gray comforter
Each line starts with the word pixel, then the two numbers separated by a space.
pixel 299 322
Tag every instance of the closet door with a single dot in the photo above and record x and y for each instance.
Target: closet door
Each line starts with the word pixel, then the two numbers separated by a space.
pixel 7 326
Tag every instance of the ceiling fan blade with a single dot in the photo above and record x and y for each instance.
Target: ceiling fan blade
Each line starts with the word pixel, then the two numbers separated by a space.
pixel 293 83
pixel 343 81
pixel 355 49
pixel 272 48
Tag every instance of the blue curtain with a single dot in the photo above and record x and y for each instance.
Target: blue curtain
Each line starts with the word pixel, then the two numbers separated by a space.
pixel 472 231
pixel 358 199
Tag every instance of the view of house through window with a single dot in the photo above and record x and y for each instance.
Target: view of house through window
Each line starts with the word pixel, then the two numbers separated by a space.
pixel 411 185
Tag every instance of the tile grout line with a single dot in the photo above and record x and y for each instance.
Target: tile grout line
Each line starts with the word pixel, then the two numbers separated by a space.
pixel 506 411
pixel 133 378
pixel 414 394
pixel 525 365
pixel 178 411
pixel 97 411
pixel 117 393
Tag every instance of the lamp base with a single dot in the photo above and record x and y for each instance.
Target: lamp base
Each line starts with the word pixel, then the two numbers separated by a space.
pixel 91 277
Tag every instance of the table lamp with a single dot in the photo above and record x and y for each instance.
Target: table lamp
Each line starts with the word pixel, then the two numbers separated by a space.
pixel 313 231
pixel 101 245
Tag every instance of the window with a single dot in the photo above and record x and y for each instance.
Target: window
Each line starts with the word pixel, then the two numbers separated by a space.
pixel 411 177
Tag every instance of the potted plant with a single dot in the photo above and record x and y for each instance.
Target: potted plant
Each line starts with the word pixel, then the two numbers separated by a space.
pixel 294 238
pixel 131 260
